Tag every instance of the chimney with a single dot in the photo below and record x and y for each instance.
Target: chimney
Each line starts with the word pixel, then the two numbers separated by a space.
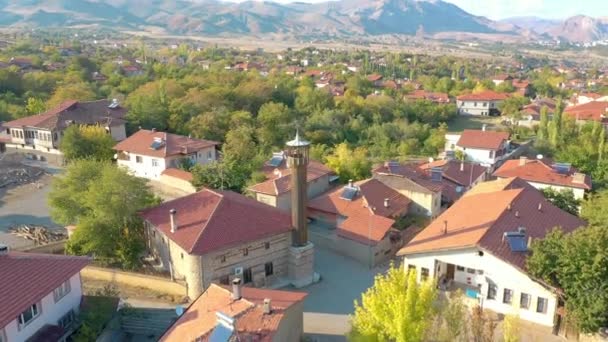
pixel 387 203
pixel 483 127
pixel 236 288
pixel 172 213
pixel 153 129
pixel 516 213
pixel 3 249
pixel 529 242
pixel 350 183
pixel 267 306
pixel 445 227
pixel 461 166
pixel 540 206
pixel 523 161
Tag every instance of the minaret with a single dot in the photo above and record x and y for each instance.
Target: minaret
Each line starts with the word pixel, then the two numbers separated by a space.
pixel 297 161
pixel 301 251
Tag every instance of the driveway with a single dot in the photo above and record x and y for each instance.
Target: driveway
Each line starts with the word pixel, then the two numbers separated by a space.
pixel 331 301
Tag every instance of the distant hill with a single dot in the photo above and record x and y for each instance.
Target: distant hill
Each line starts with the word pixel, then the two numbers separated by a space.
pixel 578 29
pixel 343 18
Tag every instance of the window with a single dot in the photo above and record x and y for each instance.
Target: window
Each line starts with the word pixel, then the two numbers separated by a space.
pixel 247 277
pixel 470 271
pixel 460 268
pixel 266 245
pixel 424 273
pixel 28 315
pixel 154 162
pixel 507 296
pixel 223 258
pixel 524 301
pixel 268 268
pixel 138 159
pixel 209 155
pixel 66 320
pixel 55 136
pixel 182 255
pixel 485 104
pixel 411 268
pixel 35 134
pixel 246 252
pixel 225 280
pixel 492 291
pixel 61 291
pixel 541 305
pixel 21 134
pixel 475 104
pixel 480 272
pixel 491 154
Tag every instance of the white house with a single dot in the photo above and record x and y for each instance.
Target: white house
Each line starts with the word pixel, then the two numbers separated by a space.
pixel 480 245
pixel 483 103
pixel 541 174
pixel 488 148
pixel 40 295
pixel 148 153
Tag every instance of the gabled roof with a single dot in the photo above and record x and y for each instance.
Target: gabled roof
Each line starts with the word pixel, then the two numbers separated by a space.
pixel 374 77
pixel 481 217
pixel 27 278
pixel 279 177
pixel 456 176
pixel 359 215
pixel 539 172
pixel 487 95
pixel 487 140
pixel 421 94
pixel 172 144
pixel 594 110
pixel 409 171
pixel 214 220
pixel 200 319
pixel 68 112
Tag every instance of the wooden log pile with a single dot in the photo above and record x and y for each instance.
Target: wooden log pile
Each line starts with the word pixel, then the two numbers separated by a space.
pixel 39 234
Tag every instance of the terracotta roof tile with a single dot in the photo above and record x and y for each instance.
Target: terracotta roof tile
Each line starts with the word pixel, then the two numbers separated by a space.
pixel 482 216
pixel 199 320
pixel 213 220
pixel 279 178
pixel 86 113
pixel 410 171
pixel 173 144
pixel 539 172
pixel 27 278
pixel 461 173
pixel 594 110
pixel 356 226
pixel 489 140
pixel 488 95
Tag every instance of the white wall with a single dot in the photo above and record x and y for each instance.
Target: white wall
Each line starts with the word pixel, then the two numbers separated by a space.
pixel 578 193
pixel 50 312
pixel 501 273
pixel 476 107
pixel 145 169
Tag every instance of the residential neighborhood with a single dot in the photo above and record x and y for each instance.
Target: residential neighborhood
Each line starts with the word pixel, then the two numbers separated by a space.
pixel 183 184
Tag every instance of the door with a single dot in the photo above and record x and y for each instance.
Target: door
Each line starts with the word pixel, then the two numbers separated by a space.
pixel 450 272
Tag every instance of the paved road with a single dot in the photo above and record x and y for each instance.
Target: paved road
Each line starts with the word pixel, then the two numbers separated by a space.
pixel 331 301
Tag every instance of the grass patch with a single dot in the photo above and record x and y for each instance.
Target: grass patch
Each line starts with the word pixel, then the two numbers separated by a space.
pixel 462 122
pixel 96 312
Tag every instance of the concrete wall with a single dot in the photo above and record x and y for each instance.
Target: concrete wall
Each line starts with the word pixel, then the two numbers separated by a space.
pixel 424 201
pixel 266 199
pixel 118 133
pixel 163 285
pixel 501 273
pixel 291 326
pixel 50 312
pixel 476 107
pixel 52 156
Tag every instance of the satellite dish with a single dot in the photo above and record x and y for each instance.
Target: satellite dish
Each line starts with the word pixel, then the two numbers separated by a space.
pixel 179 310
pixel 539 156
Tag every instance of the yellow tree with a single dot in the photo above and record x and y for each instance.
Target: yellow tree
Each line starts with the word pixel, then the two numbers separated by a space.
pixel 396 308
pixel 349 164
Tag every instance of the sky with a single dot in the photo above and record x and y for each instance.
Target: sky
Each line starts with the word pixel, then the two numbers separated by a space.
pixel 500 9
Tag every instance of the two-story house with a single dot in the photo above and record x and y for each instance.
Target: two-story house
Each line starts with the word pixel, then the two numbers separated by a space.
pixel 457 177
pixel 147 153
pixel 481 243
pixel 483 103
pixel 240 313
pixel 362 217
pixel 214 236
pixel 276 189
pixel 41 134
pixel 40 295
pixel 543 173
pixel 488 148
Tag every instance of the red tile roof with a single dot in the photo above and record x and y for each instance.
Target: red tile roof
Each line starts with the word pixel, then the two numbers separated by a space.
pixel 410 171
pixel 487 140
pixel 173 144
pixel 374 77
pixel 539 172
pixel 502 77
pixel 594 110
pixel 371 193
pixel 86 113
pixel 279 178
pixel 455 174
pixel 482 216
pixel 428 95
pixel 27 278
pixel 488 95
pixel 199 320
pixel 177 173
pixel 213 220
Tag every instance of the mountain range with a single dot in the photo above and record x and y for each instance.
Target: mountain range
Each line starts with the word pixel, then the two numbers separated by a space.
pixel 332 19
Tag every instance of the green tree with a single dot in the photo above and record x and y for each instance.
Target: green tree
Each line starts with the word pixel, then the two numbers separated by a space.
pixel 543 127
pixel 35 106
pixel 563 199
pixel 511 107
pixel 349 164
pixel 87 142
pixel 593 209
pixel 511 329
pixel 71 91
pixel 274 120
pixel 102 200
pixel 396 308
